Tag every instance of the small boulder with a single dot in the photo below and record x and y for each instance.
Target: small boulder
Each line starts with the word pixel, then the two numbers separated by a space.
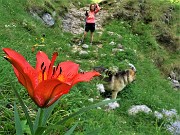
pixel 114 50
pixel 83 52
pixel 119 46
pixel 112 43
pixel 48 19
pixel 85 46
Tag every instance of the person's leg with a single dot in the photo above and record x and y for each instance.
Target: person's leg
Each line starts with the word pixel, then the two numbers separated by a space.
pixel 85 32
pixel 84 36
pixel 92 33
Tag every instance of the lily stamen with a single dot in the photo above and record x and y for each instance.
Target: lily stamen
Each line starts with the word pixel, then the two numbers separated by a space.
pixel 5 57
pixel 42 65
pixel 57 67
pixel 54 70
pixel 60 71
pixel 43 73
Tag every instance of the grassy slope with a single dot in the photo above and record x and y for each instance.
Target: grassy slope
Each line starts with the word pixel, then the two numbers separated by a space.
pixel 150 88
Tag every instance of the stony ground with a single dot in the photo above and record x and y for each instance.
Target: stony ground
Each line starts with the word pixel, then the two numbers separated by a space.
pixel 74 20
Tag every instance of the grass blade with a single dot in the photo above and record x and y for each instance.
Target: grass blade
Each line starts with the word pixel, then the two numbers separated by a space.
pixel 79 112
pixel 18 126
pixel 40 130
pixel 86 109
pixel 24 107
pixel 35 126
pixel 71 130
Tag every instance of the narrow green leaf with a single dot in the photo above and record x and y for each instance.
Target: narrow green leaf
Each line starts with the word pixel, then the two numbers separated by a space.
pixel 40 130
pixel 71 130
pixel 95 132
pixel 23 107
pixel 86 109
pixel 18 126
pixel 35 126
pixel 79 112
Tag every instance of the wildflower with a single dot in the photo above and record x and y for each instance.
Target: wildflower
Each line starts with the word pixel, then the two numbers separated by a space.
pixel 158 115
pixel 169 114
pixel 42 40
pixel 46 83
pixel 174 128
pixel 100 87
pixel 91 100
pixel 112 105
pixel 139 108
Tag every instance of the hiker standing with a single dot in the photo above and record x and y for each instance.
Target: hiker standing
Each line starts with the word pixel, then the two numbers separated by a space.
pixel 90 21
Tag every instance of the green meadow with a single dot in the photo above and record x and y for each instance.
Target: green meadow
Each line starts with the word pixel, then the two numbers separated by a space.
pixel 153 61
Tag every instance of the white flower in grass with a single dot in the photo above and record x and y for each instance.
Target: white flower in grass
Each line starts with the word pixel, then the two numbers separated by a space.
pixel 174 128
pixel 106 99
pixel 169 114
pixel 112 105
pixel 158 115
pixel 100 87
pixel 139 108
pixel 91 100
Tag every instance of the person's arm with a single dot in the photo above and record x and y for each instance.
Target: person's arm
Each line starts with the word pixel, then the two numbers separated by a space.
pixel 86 14
pixel 97 8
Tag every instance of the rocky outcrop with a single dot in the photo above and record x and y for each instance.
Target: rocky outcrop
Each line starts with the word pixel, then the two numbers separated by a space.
pixel 48 19
pixel 74 20
pixel 174 77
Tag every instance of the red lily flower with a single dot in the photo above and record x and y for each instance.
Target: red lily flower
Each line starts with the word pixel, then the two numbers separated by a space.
pixel 46 83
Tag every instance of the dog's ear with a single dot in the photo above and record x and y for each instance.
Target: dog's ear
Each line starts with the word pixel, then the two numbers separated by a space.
pixel 132 67
pixel 100 69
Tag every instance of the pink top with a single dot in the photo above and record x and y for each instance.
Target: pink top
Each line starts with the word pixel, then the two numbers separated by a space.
pixel 91 15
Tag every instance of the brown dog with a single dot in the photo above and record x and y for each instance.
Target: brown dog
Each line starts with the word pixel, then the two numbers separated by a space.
pixel 116 81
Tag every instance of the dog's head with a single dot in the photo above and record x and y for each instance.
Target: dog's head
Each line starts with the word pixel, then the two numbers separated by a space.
pixel 106 71
pixel 113 71
pixel 132 73
pixel 100 69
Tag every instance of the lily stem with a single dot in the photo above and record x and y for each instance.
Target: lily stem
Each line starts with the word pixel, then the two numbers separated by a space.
pixel 41 117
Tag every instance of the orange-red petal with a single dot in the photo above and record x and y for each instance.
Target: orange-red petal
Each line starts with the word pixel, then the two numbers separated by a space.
pixel 23 70
pixel 69 70
pixel 84 77
pixel 42 57
pixel 45 91
pixel 58 92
